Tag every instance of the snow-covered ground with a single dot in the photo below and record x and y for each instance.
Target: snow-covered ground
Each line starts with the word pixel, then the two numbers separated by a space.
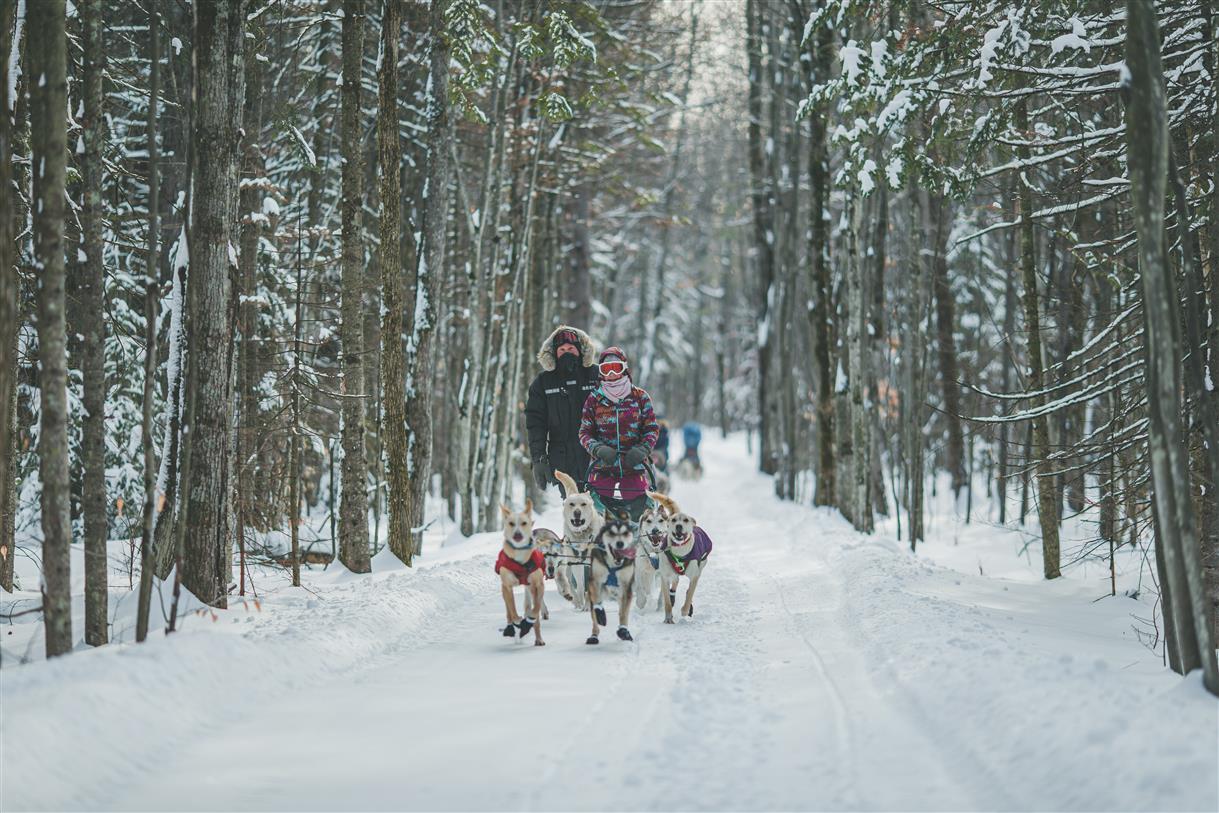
pixel 822 669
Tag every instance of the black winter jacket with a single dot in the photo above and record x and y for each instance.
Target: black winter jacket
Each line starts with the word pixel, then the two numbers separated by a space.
pixel 554 406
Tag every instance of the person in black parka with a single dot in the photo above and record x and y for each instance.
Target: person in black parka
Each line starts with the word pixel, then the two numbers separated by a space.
pixel 568 359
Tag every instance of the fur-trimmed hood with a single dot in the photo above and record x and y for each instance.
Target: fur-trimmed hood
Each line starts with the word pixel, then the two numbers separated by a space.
pixel 588 348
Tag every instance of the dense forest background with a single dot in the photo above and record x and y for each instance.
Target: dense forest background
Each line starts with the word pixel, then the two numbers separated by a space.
pixel 287 258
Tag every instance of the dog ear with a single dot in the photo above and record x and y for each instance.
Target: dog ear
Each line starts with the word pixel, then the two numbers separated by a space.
pixel 528 506
pixel 505 510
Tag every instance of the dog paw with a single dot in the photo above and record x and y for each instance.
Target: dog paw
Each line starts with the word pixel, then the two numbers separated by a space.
pixel 592 639
pixel 539 642
pixel 510 631
pixel 525 625
pixel 625 634
pixel 668 619
pixel 599 612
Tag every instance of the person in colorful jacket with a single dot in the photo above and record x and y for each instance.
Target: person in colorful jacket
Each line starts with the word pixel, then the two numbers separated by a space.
pixel 618 429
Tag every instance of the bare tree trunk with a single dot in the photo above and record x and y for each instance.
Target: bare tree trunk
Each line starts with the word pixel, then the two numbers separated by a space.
pixel 1210 541
pixel 579 301
pixel 1147 158
pixel 430 273
pixel 93 328
pixel 151 299
pixel 393 351
pixel 819 284
pixel 1047 494
pixel 945 316
pixel 49 99
pixel 761 195
pixel 9 289
pixel 1008 364
pixel 1203 406
pixel 859 350
pixel 207 451
pixel 252 219
pixel 353 519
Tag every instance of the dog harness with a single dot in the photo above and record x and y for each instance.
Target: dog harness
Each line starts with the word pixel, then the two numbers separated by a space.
pixel 535 562
pixel 611 580
pixel 699 552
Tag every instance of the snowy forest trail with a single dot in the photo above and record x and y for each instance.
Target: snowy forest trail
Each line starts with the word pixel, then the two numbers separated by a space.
pixel 763 676
pixel 822 670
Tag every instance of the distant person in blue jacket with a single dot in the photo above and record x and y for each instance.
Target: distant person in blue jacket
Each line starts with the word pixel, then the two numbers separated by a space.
pixel 691 435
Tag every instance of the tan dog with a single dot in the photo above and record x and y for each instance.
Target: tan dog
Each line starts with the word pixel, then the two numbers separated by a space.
pixel 686 550
pixel 581 525
pixel 653 531
pixel 521 562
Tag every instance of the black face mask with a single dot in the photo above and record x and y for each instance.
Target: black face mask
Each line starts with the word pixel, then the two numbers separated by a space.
pixel 569 363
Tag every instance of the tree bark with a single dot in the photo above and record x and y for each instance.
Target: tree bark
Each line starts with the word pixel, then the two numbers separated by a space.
pixel 49 99
pixel 819 284
pixel 253 221
pixel 353 510
pixel 151 301
pixel 93 328
pixel 950 375
pixel 9 289
pixel 393 350
pixel 207 445
pixel 859 349
pixel 761 195
pixel 1147 158
pixel 1047 509
pixel 430 273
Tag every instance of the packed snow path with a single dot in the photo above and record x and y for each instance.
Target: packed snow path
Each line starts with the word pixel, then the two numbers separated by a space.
pixel 822 669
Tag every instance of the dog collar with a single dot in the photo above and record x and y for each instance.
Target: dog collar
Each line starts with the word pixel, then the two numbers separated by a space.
pixel 515 546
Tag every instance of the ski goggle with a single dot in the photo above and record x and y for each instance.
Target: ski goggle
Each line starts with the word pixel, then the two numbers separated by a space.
pixel 612 367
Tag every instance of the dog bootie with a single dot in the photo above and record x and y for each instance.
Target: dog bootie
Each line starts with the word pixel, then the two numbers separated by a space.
pixel 592 639
pixel 526 624
pixel 625 634
pixel 599 612
pixel 510 631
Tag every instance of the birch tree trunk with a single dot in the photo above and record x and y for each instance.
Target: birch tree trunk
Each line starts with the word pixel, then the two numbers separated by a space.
pixel 353 510
pixel 48 101
pixel 207 451
pixel 1147 157
pixel 1047 494
pixel 93 328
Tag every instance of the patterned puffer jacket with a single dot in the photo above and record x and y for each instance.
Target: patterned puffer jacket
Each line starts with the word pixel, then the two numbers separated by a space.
pixel 628 423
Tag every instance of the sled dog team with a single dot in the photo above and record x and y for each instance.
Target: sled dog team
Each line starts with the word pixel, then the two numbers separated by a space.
pixel 599 557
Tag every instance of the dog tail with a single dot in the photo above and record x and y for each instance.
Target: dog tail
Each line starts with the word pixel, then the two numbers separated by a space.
pixel 666 502
pixel 569 485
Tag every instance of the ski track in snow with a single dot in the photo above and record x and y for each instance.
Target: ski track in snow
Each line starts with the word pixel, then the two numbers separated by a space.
pixel 821 670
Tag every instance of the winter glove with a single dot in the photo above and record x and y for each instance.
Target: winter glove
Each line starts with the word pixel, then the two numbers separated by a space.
pixel 636 455
pixel 541 473
pixel 606 453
